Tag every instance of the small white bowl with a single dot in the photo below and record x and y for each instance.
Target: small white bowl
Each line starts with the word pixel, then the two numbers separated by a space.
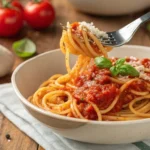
pixel 30 74
pixel 110 7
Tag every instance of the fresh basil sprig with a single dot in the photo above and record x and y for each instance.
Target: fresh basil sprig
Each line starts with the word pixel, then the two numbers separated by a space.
pixel 120 62
pixel 103 62
pixel 119 68
pixel 116 68
pixel 127 69
pixel 114 71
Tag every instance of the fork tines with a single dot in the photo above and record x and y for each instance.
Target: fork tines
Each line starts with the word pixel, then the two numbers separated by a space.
pixel 108 41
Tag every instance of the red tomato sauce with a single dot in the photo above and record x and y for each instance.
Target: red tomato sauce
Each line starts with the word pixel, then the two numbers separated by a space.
pixel 131 59
pixel 127 95
pixel 87 111
pixel 146 62
pixel 95 86
pixel 75 25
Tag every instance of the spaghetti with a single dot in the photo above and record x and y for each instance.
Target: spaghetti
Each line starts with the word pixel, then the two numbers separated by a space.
pixel 90 92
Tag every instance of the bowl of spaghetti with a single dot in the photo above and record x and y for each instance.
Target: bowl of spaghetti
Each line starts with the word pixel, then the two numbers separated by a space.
pixel 86 91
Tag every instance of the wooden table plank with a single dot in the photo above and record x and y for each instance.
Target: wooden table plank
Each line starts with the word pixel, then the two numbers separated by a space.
pixel 40 148
pixel 48 40
pixel 1 120
pixel 19 141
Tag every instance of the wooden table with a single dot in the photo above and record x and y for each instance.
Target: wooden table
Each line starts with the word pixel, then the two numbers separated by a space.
pixel 49 40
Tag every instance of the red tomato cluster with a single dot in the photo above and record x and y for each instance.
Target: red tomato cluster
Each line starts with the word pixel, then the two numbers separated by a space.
pixel 38 14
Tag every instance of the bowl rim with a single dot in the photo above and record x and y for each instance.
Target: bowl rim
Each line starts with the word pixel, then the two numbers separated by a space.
pixel 57 116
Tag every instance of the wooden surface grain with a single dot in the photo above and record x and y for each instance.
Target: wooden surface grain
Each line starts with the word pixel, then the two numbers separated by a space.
pixel 48 40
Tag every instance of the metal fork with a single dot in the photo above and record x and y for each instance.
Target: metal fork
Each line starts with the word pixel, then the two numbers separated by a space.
pixel 124 35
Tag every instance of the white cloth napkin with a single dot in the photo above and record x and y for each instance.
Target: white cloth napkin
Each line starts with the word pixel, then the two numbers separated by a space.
pixel 11 107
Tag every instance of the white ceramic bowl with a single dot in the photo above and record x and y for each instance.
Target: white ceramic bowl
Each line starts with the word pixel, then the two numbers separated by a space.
pixel 30 74
pixel 110 7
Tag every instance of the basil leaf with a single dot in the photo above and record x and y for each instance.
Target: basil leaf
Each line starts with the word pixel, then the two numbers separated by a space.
pixel 103 62
pixel 120 62
pixel 24 48
pixel 114 71
pixel 127 69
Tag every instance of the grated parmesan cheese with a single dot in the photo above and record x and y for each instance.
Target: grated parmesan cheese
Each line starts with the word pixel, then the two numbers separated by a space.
pixel 90 83
pixel 140 68
pixel 93 29
pixel 142 75
pixel 134 63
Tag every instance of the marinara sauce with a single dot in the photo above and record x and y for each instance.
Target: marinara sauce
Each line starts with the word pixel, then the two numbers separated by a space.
pixel 95 86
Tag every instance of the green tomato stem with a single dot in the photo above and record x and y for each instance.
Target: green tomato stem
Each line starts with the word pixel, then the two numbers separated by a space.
pixel 6 3
pixel 37 1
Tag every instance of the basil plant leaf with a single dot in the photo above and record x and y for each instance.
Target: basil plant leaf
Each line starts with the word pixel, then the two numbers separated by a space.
pixel 120 62
pixel 103 62
pixel 114 71
pixel 127 69
pixel 24 48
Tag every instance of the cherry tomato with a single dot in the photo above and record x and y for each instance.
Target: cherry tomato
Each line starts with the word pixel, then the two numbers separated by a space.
pixel 39 15
pixel 11 21
pixel 11 18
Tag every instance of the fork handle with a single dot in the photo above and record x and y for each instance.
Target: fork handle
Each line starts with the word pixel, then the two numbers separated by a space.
pixel 140 20
pixel 133 26
pixel 145 17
